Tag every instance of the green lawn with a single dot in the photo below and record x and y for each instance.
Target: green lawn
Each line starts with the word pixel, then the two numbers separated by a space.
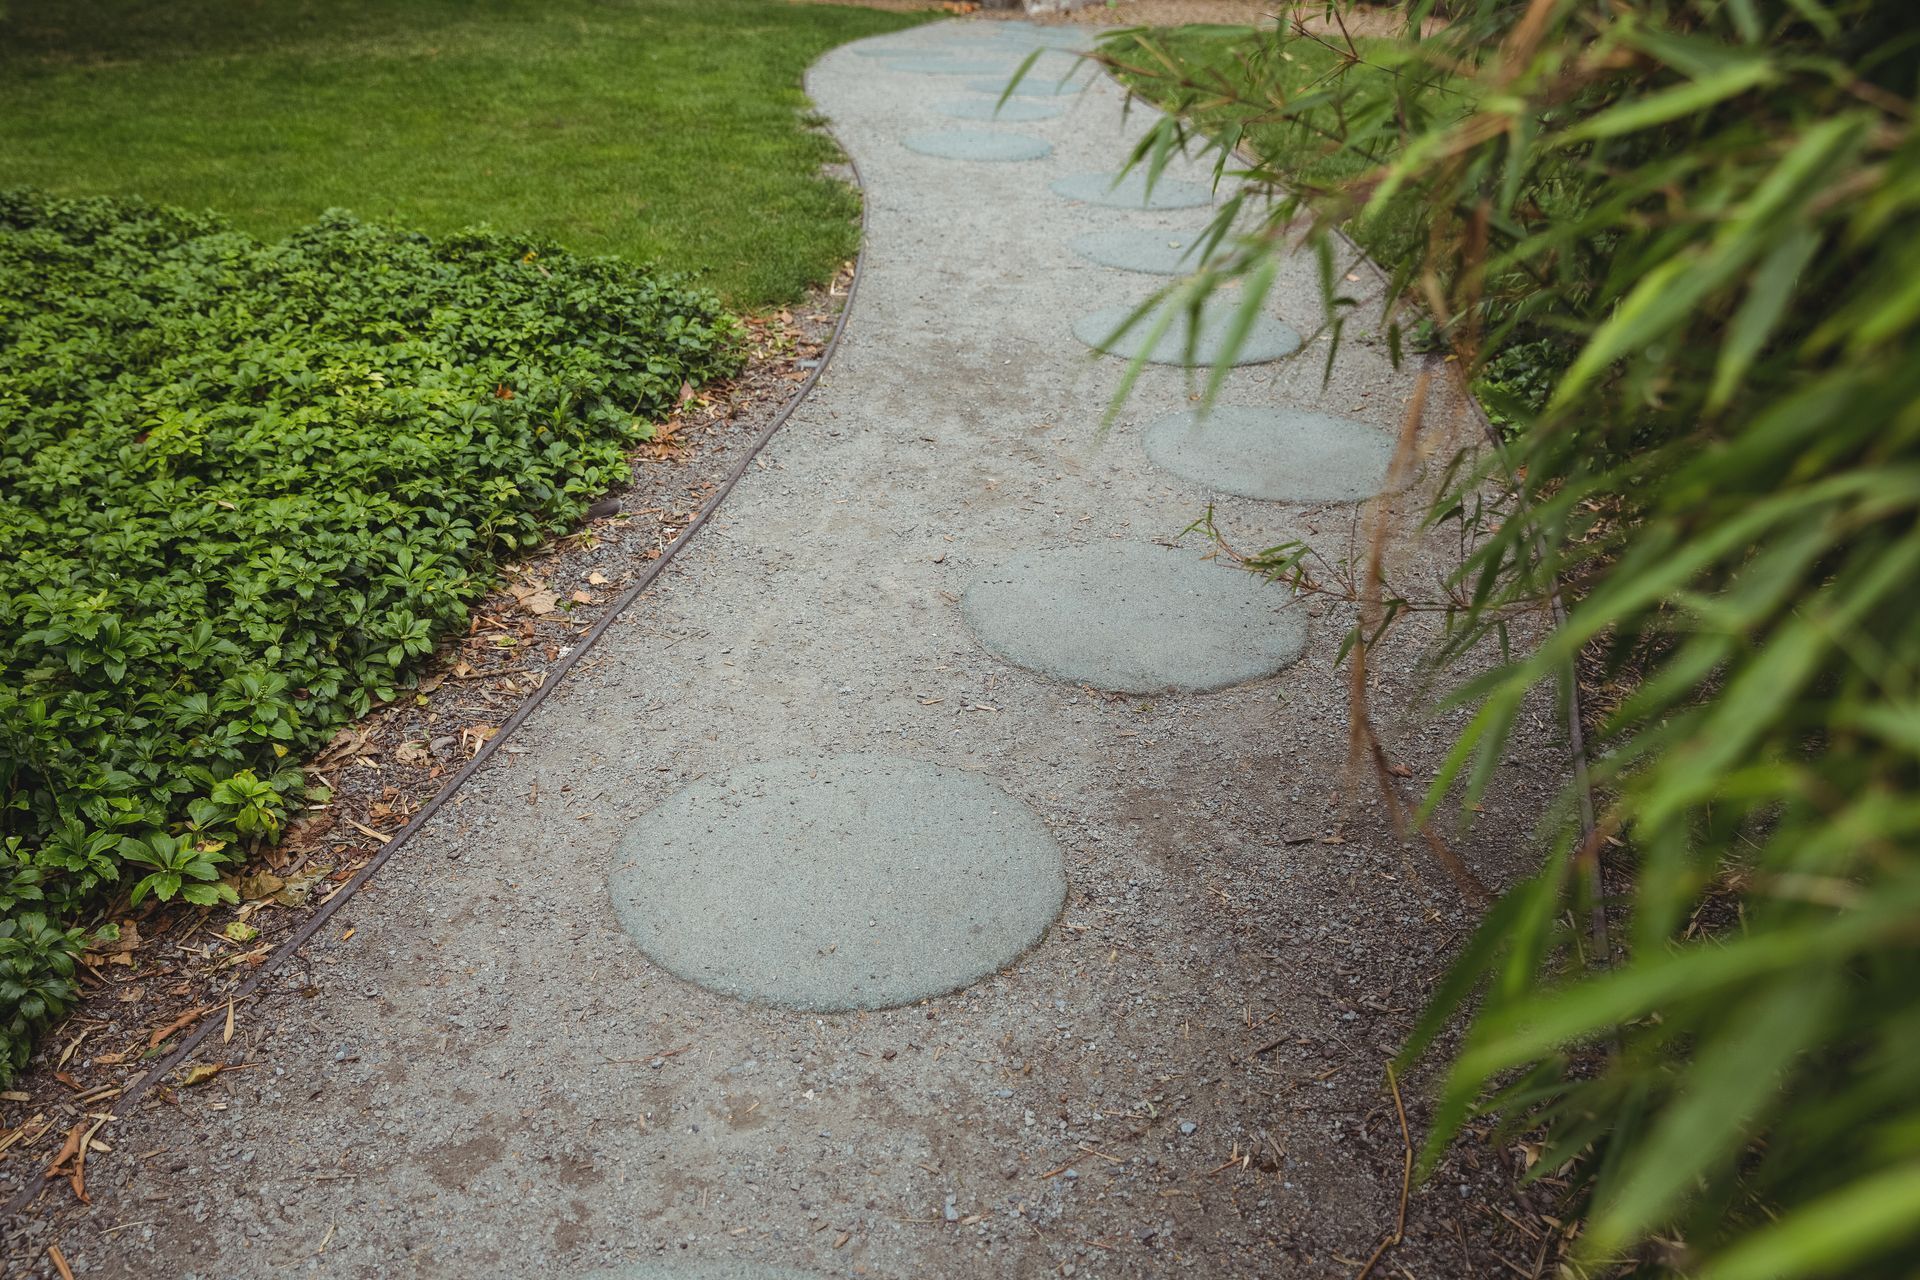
pixel 662 130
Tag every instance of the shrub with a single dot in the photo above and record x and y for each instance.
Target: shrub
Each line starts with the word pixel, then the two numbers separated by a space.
pixel 1709 211
pixel 244 489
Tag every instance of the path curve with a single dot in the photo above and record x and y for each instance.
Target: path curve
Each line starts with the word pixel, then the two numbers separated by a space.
pixel 481 1072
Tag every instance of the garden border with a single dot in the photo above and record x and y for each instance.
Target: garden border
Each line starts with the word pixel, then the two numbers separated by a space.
pixel 301 936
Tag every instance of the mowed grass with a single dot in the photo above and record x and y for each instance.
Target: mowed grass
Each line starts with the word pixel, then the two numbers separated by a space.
pixel 668 131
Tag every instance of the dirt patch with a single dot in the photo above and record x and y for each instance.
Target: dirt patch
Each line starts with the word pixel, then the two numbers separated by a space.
pixel 455 1164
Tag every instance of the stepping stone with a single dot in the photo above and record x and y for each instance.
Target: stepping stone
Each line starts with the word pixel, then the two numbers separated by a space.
pixel 1012 111
pixel 1279 455
pixel 731 1269
pixel 940 64
pixel 1053 37
pixel 1031 87
pixel 1131 191
pixel 1156 253
pixel 1134 617
pixel 888 49
pixel 1268 339
pixel 977 144
pixel 833 883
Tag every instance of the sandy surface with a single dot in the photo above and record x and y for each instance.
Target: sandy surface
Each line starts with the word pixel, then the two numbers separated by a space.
pixel 479 1073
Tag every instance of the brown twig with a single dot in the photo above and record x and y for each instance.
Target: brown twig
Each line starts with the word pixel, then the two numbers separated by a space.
pixel 1364 740
pixel 1406 1181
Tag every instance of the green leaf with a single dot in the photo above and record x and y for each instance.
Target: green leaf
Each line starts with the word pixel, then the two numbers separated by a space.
pixel 1767 298
pixel 1686 99
pixel 1852 1223
pixel 1737 1071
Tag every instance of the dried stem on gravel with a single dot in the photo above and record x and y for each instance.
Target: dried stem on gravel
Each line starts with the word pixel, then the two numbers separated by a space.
pixel 1375 617
pixel 1406 1181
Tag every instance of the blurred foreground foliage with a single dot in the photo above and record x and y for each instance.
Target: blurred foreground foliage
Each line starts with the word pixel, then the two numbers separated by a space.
pixel 1676 244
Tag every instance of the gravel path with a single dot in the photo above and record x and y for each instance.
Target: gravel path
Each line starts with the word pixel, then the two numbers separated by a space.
pixel 480 1071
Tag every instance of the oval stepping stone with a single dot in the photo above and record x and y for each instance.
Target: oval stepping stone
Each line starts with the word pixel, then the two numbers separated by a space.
pixel 940 64
pixel 888 49
pixel 1268 339
pixel 1280 455
pixel 1013 110
pixel 977 144
pixel 1158 253
pixel 1031 87
pixel 1131 191
pixel 850 882
pixel 1027 33
pixel 731 1269
pixel 1135 618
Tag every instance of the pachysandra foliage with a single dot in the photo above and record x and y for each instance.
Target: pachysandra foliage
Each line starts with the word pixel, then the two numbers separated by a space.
pixel 244 489
pixel 1697 222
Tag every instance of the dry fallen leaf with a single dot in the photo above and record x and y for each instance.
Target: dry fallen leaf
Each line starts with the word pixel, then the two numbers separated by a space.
pixel 74 1150
pixel 597 579
pixel 261 884
pixel 298 889
pixel 128 940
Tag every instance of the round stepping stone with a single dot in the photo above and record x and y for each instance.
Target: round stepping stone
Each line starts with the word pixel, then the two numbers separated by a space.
pixel 1157 253
pixel 977 144
pixel 1268 339
pixel 1280 455
pixel 1013 110
pixel 1131 191
pixel 850 882
pixel 940 64
pixel 1028 34
pixel 1134 617
pixel 1030 87
pixel 888 49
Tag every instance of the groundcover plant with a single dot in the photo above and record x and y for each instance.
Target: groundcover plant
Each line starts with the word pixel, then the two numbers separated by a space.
pixel 244 489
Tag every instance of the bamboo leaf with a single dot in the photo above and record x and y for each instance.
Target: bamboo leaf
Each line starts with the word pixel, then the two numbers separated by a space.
pixel 1686 99
pixel 1825 1237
